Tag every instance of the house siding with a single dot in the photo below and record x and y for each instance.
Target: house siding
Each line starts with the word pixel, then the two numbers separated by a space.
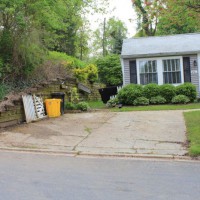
pixel 198 64
pixel 194 72
pixel 126 71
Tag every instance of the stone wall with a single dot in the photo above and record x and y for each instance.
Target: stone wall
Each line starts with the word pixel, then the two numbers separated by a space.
pixel 13 112
pixel 94 92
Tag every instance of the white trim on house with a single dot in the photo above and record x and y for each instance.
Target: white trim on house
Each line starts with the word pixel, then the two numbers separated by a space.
pixel 160 67
pixel 198 64
pixel 122 64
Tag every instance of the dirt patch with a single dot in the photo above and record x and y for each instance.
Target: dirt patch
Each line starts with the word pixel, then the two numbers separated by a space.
pixel 36 130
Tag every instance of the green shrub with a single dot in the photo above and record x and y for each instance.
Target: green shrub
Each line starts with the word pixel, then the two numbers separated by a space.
pixel 157 100
pixel 74 95
pixel 90 73
pixel 83 106
pixel 70 106
pixel 66 60
pixel 151 90
pixel 180 99
pixel 80 74
pixel 112 102
pixel 187 89
pixel 168 92
pixel 129 93
pixel 141 101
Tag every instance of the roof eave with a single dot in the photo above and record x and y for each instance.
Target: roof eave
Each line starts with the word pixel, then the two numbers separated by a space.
pixel 159 54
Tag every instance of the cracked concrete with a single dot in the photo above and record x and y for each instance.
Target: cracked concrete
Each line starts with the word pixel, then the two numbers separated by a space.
pixel 147 133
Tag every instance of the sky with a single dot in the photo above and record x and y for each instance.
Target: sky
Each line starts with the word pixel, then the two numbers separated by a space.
pixel 123 10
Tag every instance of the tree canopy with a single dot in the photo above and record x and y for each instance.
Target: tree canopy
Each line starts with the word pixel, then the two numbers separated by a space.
pixel 29 29
pixel 110 72
pixel 109 37
pixel 148 13
pixel 176 18
pixel 164 17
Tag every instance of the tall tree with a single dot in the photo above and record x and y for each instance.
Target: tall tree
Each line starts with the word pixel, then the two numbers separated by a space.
pixel 82 44
pixel 108 39
pixel 20 46
pixel 109 68
pixel 156 17
pixel 176 18
pixel 29 28
pixel 65 40
pixel 148 14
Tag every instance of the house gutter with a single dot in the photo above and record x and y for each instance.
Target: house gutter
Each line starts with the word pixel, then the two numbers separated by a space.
pixel 165 54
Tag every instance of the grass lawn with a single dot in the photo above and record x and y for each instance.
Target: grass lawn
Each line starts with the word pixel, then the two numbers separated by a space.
pixel 101 105
pixel 193 130
pixel 96 104
pixel 157 107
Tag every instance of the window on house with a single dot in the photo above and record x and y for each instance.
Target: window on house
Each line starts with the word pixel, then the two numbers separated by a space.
pixel 171 71
pixel 148 72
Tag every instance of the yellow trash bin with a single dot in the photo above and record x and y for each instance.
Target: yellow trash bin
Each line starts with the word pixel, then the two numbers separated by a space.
pixel 53 107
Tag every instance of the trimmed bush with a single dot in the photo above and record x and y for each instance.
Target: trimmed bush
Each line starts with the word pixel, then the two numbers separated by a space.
pixel 187 89
pixel 83 106
pixel 157 100
pixel 129 93
pixel 180 99
pixel 141 101
pixel 151 90
pixel 168 92
pixel 112 102
pixel 70 106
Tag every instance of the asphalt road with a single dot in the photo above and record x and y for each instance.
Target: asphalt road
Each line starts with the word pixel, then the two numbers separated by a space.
pixel 26 176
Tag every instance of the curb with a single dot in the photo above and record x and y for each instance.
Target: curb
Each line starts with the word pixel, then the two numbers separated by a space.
pixel 102 155
pixel 141 156
pixel 68 153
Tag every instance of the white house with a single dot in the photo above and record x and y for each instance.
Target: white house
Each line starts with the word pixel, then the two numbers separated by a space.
pixel 173 59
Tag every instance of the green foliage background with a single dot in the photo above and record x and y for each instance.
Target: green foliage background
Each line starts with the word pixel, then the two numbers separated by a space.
pixel 110 72
pixel 166 17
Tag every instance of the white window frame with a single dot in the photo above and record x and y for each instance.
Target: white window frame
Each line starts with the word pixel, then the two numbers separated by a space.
pixel 147 60
pixel 159 61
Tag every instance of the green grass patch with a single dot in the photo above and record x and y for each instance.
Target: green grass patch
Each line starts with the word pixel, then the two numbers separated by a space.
pixel 193 130
pixel 96 104
pixel 157 107
pixel 62 57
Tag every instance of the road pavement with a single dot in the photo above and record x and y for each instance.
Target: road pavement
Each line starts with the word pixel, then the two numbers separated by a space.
pixel 52 177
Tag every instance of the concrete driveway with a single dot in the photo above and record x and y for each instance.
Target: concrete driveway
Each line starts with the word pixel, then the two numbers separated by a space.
pixel 157 133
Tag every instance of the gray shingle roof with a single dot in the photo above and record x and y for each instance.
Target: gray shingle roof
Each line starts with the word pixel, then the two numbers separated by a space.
pixel 161 45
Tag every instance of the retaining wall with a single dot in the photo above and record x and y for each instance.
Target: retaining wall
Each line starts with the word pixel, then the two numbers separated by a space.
pixel 13 113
